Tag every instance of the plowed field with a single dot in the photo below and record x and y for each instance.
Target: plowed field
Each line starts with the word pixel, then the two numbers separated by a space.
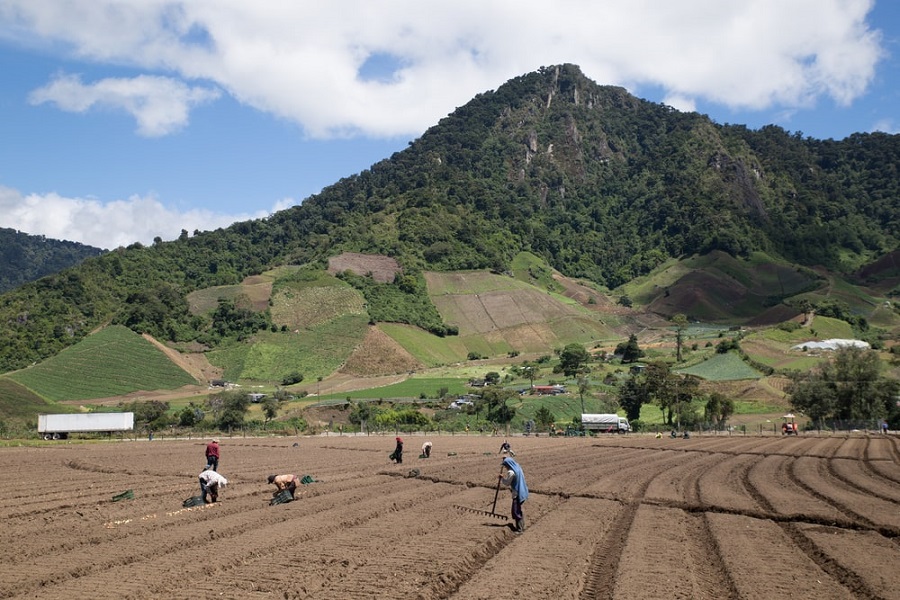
pixel 618 517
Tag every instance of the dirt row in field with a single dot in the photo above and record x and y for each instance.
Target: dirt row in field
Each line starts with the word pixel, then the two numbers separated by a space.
pixel 619 517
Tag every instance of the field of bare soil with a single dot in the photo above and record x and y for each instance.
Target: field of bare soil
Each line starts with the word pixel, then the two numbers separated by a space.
pixel 618 517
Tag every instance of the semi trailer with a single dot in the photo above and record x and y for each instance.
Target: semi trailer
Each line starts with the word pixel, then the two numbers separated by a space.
pixel 58 427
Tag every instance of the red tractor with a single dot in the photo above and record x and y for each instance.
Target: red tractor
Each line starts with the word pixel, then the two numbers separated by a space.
pixel 789 425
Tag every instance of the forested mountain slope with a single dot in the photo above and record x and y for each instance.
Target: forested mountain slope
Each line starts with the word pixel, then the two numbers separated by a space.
pixel 25 257
pixel 602 185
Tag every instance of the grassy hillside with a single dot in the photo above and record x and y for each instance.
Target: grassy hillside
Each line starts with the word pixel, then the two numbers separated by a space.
pixel 18 403
pixel 772 347
pixel 110 362
pixel 429 349
pixel 315 352
pixel 411 389
pixel 718 287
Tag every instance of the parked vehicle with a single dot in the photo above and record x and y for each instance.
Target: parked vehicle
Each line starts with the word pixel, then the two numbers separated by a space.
pixel 460 403
pixel 605 423
pixel 789 425
pixel 58 427
pixel 548 390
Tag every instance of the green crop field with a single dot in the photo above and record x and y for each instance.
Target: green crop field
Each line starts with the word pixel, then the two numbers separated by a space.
pixel 471 282
pixel 412 388
pixel 722 367
pixel 111 362
pixel 302 303
pixel 314 352
pixel 207 299
pixel 19 403
pixel 429 349
pixel 824 327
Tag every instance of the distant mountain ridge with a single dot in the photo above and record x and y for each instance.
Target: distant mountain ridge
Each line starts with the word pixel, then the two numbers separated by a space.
pixel 25 257
pixel 599 184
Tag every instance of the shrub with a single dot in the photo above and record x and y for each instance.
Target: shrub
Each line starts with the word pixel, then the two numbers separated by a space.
pixel 292 378
pixel 789 326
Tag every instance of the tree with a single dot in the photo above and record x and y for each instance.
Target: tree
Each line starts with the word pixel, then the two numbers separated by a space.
pixel 632 395
pixel 234 409
pixel 630 350
pixel 152 414
pixel 660 388
pixel 687 387
pixel 673 393
pixel 360 414
pixel 215 404
pixel 292 378
pixel 492 378
pixel 190 415
pixel 298 423
pixel 529 371
pixel 718 408
pixel 544 418
pixel 572 359
pixel 681 323
pixel 584 385
pixel 494 401
pixel 849 386
pixel 270 409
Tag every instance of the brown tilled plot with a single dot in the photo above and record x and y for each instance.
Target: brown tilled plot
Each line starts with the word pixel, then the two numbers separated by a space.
pixel 617 517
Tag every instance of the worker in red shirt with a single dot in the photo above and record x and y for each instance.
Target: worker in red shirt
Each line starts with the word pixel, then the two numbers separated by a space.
pixel 212 455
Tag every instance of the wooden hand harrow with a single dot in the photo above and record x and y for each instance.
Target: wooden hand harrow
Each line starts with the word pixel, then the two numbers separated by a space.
pixel 492 512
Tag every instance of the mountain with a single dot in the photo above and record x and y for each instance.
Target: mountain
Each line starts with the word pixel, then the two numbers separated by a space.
pixel 598 184
pixel 25 257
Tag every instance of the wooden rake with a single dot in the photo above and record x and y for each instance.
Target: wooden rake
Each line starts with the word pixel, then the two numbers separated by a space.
pixel 492 512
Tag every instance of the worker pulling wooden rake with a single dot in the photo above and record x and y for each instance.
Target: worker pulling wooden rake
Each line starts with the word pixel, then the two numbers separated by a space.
pixel 492 512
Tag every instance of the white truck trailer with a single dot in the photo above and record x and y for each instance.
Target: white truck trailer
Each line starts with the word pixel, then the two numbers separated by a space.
pixel 58 427
pixel 605 423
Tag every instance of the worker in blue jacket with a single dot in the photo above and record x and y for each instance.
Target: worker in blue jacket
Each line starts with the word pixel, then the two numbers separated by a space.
pixel 515 480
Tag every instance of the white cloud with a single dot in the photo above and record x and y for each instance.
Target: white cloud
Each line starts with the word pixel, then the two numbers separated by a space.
pixel 109 224
pixel 301 60
pixel 886 126
pixel 160 104
pixel 682 103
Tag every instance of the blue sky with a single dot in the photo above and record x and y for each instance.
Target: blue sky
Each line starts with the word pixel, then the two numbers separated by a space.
pixel 121 121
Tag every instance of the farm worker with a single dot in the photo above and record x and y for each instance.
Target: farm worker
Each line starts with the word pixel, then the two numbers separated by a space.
pixel 426 449
pixel 212 455
pixel 397 454
pixel 210 484
pixel 884 427
pixel 515 480
pixel 285 482
pixel 505 448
